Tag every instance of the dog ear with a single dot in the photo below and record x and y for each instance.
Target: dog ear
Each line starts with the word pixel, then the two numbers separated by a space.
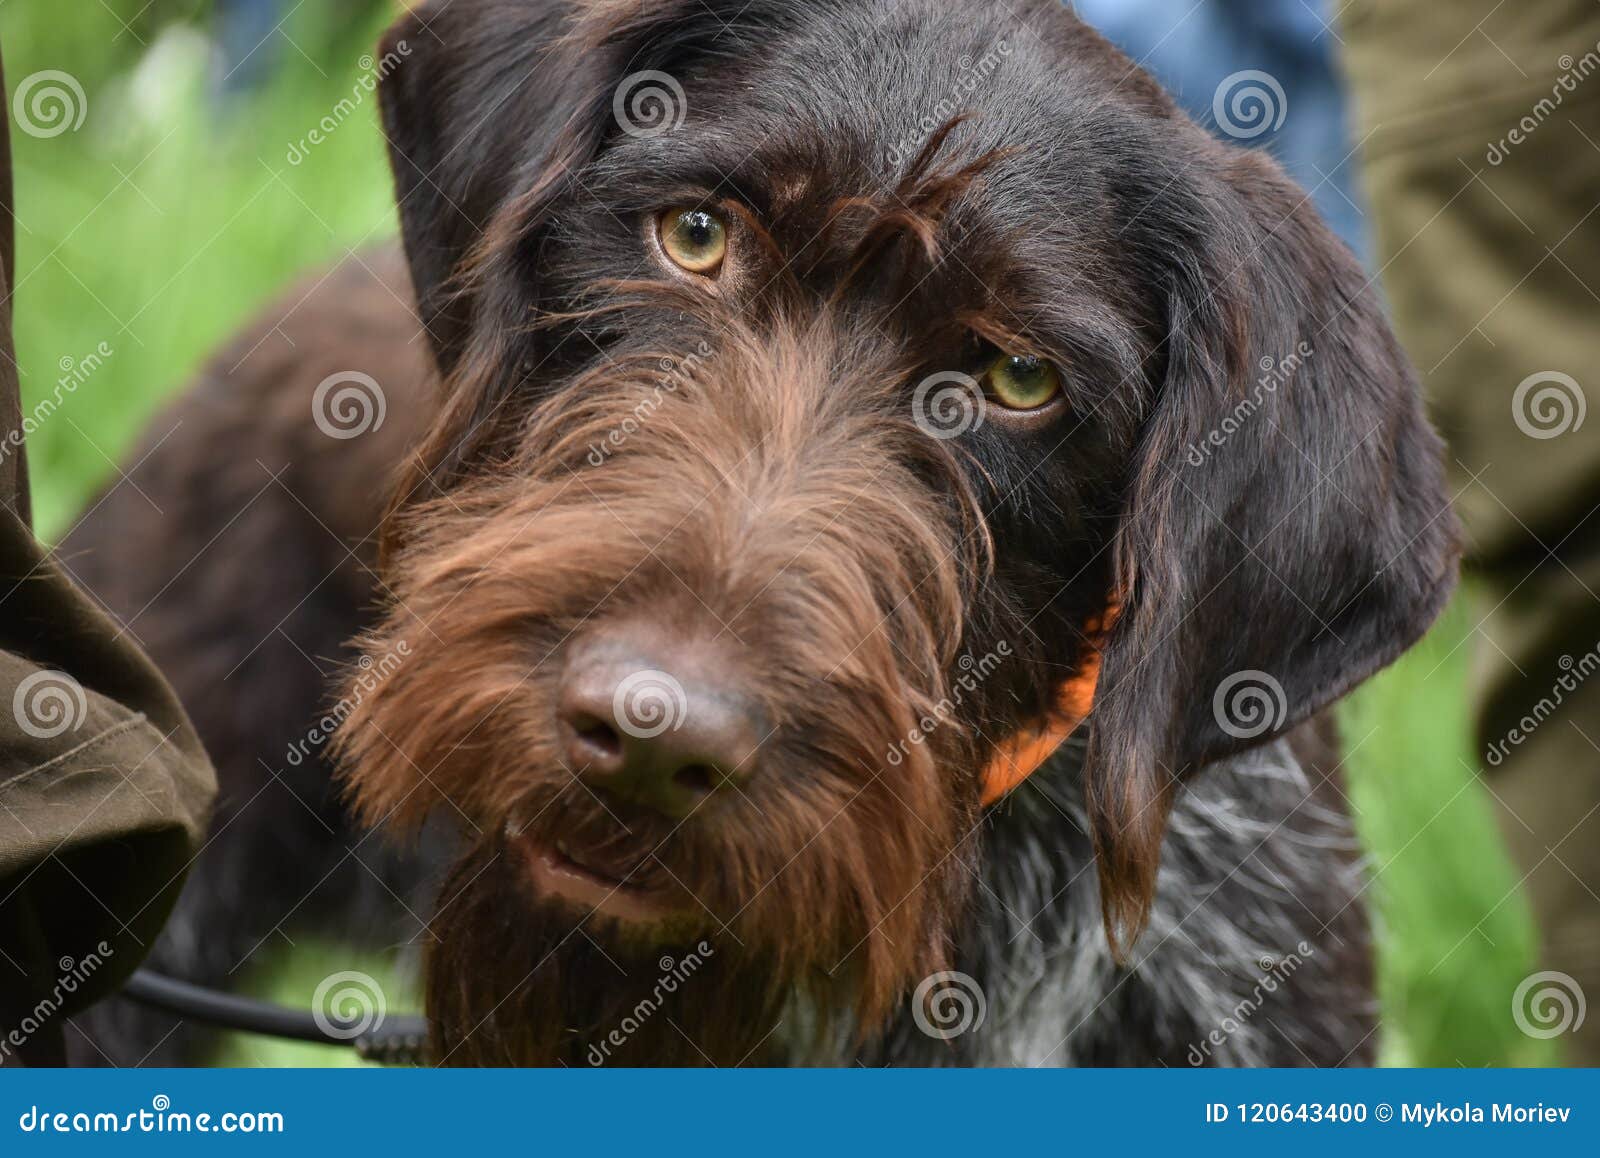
pixel 1286 531
pixel 476 101
pixel 489 107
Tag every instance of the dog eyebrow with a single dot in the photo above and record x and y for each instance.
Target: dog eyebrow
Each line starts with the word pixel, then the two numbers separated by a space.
pixel 1101 352
pixel 788 189
pixel 986 323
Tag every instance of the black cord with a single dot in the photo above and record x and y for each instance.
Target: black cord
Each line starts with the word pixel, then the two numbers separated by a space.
pixel 397 1040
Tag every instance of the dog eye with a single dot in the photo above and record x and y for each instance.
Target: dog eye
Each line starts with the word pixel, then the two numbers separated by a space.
pixel 1020 382
pixel 695 239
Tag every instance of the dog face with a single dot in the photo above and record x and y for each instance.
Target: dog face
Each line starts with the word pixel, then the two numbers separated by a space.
pixel 813 373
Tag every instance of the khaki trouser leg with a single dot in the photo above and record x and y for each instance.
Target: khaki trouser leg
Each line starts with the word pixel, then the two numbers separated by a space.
pixel 1479 126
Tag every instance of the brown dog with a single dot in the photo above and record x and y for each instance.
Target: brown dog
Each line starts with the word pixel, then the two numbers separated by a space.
pixel 828 395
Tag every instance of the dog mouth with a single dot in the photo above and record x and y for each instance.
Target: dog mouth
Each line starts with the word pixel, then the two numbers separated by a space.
pixel 593 885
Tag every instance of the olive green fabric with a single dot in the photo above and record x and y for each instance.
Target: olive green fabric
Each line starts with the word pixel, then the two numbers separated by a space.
pixel 1479 131
pixel 104 789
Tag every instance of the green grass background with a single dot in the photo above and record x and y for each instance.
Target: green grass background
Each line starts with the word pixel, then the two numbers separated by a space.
pixel 173 213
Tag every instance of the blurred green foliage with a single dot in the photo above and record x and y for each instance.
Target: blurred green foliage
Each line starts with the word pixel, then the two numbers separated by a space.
pixel 1456 936
pixel 174 211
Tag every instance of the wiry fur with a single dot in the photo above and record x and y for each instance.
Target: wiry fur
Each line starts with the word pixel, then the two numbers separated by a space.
pixel 828 549
pixel 772 489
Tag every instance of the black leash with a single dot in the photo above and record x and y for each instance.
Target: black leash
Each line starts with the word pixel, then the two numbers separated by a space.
pixel 397 1040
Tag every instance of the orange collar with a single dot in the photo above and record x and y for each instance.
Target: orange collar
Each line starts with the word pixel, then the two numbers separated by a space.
pixel 1018 757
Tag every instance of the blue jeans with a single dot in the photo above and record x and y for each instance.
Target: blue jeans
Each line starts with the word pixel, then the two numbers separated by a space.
pixel 1194 47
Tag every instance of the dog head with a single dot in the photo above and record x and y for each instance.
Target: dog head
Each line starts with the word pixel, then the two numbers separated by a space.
pixel 814 372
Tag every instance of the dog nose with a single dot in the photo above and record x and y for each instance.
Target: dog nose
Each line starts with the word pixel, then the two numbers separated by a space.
pixel 662 727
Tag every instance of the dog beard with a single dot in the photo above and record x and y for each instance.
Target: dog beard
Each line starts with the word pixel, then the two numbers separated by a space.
pixel 514 979
pixel 843 863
